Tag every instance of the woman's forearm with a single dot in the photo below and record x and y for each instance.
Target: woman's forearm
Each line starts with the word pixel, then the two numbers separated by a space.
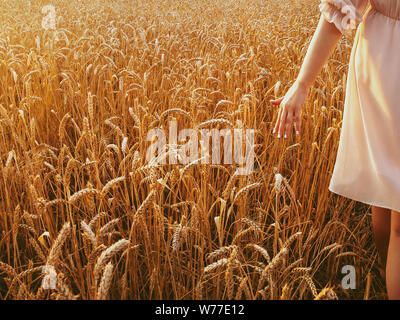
pixel 324 41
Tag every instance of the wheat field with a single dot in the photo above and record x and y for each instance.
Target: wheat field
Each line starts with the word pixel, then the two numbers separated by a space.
pixel 79 201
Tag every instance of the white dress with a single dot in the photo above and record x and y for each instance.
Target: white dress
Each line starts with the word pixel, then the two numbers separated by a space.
pixel 367 167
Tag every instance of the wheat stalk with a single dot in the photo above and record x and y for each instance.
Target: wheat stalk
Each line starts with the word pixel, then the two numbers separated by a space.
pixel 107 254
pixel 55 250
pixel 105 282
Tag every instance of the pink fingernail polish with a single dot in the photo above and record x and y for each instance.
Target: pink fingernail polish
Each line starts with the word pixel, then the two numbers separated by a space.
pixel 279 135
pixel 285 136
pixel 297 132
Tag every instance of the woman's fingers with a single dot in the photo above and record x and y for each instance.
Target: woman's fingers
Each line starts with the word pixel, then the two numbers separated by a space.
pixel 298 122
pixel 288 124
pixel 277 121
pixel 282 122
pixel 276 102
pixel 286 119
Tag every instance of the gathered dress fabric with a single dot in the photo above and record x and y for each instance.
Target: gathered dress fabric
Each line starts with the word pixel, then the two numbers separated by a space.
pixel 367 167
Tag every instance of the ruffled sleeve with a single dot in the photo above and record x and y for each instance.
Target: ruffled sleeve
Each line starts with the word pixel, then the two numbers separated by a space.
pixel 345 14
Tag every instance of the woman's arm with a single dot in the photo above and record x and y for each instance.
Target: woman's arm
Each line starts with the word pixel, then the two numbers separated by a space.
pixel 322 44
pixel 321 47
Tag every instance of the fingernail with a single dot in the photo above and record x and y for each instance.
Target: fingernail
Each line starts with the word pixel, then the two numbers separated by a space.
pixel 285 136
pixel 297 132
pixel 279 135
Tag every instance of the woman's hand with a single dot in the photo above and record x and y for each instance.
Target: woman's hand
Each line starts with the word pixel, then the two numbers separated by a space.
pixel 290 109
pixel 324 40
